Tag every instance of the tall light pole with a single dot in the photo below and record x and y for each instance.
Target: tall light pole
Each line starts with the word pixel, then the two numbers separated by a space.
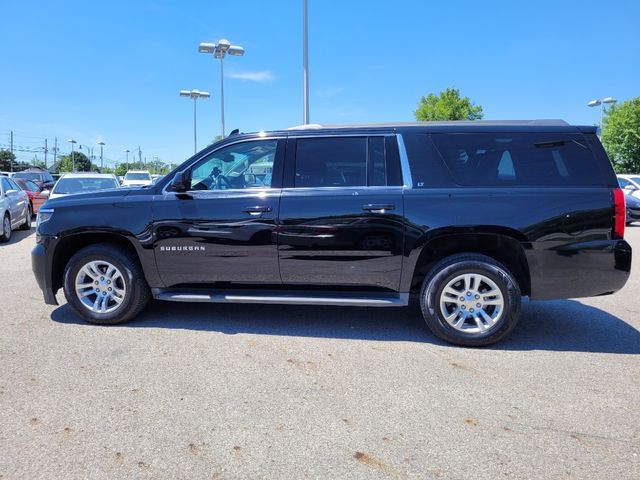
pixel 195 95
pixel 305 62
pixel 126 165
pixel 102 144
pixel 219 51
pixel 155 164
pixel 601 103
pixel 73 157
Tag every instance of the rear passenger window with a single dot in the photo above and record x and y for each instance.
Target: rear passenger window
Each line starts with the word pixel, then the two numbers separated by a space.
pixel 518 159
pixel 345 162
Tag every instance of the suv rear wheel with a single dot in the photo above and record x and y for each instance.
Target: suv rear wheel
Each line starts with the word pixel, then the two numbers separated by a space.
pixel 104 284
pixel 471 300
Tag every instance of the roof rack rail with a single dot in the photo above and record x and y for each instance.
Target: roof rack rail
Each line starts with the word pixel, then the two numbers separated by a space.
pixel 308 126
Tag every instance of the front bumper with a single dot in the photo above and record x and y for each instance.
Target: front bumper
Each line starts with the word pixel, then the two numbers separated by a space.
pixel 41 266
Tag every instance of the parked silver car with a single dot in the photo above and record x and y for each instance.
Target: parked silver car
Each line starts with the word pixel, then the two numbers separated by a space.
pixel 14 208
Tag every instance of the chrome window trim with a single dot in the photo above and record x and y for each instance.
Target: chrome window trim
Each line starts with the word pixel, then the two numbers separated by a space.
pixel 246 140
pixel 404 163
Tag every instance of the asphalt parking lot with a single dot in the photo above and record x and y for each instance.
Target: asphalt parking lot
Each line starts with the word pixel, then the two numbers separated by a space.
pixel 242 391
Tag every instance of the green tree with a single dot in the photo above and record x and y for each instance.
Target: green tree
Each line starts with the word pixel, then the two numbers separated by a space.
pixel 82 163
pixel 6 157
pixel 448 105
pixel 621 135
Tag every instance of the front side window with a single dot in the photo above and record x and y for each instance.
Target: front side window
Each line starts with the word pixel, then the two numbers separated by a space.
pixel 238 166
pixel 5 184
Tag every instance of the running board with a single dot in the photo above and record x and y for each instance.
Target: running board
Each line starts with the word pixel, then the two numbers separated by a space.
pixel 303 297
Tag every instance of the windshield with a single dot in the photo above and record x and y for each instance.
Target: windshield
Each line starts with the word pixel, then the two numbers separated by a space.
pixel 82 185
pixel 137 176
pixel 29 175
pixel 635 179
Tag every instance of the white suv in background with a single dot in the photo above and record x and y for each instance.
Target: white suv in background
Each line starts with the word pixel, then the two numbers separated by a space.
pixel 137 178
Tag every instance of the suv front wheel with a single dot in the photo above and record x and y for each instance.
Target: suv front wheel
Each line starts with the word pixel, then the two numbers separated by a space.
pixel 470 300
pixel 104 284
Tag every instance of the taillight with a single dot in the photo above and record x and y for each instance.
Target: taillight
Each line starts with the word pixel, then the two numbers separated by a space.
pixel 619 213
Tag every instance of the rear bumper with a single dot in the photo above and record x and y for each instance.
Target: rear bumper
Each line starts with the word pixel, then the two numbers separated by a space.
pixel 584 269
pixel 41 266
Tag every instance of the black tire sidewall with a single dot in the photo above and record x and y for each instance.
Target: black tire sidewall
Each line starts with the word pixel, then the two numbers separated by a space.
pixel 435 283
pixel 5 236
pixel 119 315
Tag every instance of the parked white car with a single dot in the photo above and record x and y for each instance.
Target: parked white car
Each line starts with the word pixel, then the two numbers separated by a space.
pixel 137 178
pixel 71 183
pixel 14 208
pixel 630 184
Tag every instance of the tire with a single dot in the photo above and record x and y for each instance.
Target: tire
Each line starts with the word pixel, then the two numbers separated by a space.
pixel 5 233
pixel 457 318
pixel 124 293
pixel 27 221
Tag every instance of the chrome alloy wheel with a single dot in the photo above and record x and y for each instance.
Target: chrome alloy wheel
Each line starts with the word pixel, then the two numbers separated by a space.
pixel 100 287
pixel 471 303
pixel 6 227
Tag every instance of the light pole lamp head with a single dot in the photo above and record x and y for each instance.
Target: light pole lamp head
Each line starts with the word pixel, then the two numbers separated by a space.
pixel 594 103
pixel 236 50
pixel 71 141
pixel 204 94
pixel 101 143
pixel 206 47
pixel 185 93
pixel 609 100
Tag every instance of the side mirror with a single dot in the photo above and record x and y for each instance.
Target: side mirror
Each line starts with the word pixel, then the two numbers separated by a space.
pixel 631 188
pixel 11 192
pixel 181 181
pixel 45 193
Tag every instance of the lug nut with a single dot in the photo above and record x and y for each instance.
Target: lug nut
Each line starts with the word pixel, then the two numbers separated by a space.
pixel 462 299
pixel 463 307
pixel 96 282
pixel 101 278
pixel 471 310
pixel 468 294
pixel 477 297
pixel 110 288
pixel 477 304
pixel 108 281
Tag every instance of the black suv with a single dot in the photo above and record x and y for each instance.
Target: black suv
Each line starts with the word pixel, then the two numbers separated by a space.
pixel 467 216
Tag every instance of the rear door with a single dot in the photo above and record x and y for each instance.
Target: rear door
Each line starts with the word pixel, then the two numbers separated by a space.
pixel 341 212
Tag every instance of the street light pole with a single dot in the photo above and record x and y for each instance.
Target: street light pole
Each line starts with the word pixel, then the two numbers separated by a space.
pixel 219 51
pixel 126 165
pixel 305 61
pixel 102 144
pixel 73 157
pixel 601 103
pixel 195 95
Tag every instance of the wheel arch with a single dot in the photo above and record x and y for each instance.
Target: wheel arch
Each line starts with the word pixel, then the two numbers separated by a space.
pixel 505 247
pixel 71 244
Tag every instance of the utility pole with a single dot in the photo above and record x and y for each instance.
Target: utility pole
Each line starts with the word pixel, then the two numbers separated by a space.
pixel 46 149
pixel 10 160
pixel 305 62
pixel 139 155
pixel 55 150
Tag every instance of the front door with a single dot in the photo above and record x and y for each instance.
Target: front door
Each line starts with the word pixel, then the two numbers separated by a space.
pixel 223 228
pixel 341 213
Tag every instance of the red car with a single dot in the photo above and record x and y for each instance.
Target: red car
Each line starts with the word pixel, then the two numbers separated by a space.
pixel 35 193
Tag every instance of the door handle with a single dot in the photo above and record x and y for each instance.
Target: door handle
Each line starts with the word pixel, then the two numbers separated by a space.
pixel 378 207
pixel 257 210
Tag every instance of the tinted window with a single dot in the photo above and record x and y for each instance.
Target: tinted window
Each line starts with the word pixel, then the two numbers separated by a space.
pixel 427 169
pixel 5 184
pixel 242 165
pixel 331 162
pixel 518 159
pixel 13 185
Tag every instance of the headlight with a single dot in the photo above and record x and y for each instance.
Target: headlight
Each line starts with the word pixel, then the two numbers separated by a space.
pixel 44 214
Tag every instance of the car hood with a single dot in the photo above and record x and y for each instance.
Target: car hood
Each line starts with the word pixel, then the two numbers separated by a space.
pixel 98 197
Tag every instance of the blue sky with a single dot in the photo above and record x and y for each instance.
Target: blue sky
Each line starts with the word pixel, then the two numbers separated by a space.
pixel 112 70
